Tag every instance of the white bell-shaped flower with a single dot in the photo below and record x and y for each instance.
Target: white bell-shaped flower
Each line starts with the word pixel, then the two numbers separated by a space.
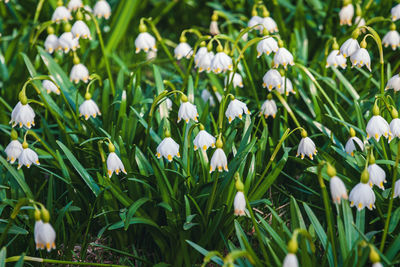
pixel 397 189
pixel 283 57
pixel 46 236
pixel 81 30
pixel 67 42
pixel 346 14
pixel 362 196
pixel 145 41
pixel 290 260
pixel 392 38
pixel 239 204
pixel 61 14
pixel 221 62
pixel 395 126
pixel 207 97
pixel 349 47
pixel 361 57
pixel 89 10
pixel 187 111
pixel 200 53
pixel 350 146
pixel 377 126
pixel 168 148
pixel 286 87
pixel 203 140
pixel 89 107
pixel 236 108
pixel 50 87
pixel 79 72
pixel 38 241
pixel 214 30
pixel 256 22
pixel 13 150
pixel 114 163
pixel 219 160
pixel 267 46
pixel 335 59
pixel 183 49
pixel 23 115
pixel 74 5
pixel 236 82
pixel 269 24
pixel 27 156
pixel 393 83
pixel 269 108
pixel 306 147
pixel 204 62
pixel 102 9
pixel 272 79
pixel 395 11
pixel 360 21
pixel 377 175
pixel 338 189
pixel 51 43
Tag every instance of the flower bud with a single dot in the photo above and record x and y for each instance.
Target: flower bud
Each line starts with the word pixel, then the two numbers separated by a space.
pixel 330 170
pixel 184 98
pixel 142 28
pixel 393 27
pixel 22 97
pixel 219 143
pixel 394 112
pixel 167 133
pixel 45 215
pixel 364 176
pixel 292 246
pixel 363 44
pixel 37 215
pixel 374 256
pixel 371 159
pixel 88 96
pixel 304 133
pixel 25 145
pixel 67 27
pixel 375 110
pixel 111 147
pixel 352 132
pixel 50 30
pixel 201 127
pixel 76 60
pixel 269 97
pixel 214 16
pixel 79 15
pixel 14 134
pixel 239 184
pixel 182 39
pixel 355 33
pixel 220 48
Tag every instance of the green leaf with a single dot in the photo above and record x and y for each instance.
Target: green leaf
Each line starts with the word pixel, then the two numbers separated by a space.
pixel 18 177
pixel 132 209
pixel 3 254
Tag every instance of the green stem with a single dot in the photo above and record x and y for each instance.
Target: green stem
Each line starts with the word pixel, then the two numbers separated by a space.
pixel 211 199
pixel 289 110
pixel 28 258
pixel 385 231
pixel 38 9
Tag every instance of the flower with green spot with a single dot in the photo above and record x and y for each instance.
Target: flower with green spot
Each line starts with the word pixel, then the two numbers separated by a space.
pixel 362 194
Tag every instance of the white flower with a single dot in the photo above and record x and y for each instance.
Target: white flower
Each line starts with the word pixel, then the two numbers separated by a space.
pixel 361 58
pixel 377 264
pixel 79 73
pixel 392 38
pixel 377 176
pixel 27 157
pixel 338 189
pixel 376 127
pixel 81 30
pixel 306 148
pixel 199 54
pixel 350 145
pixel 23 115
pixel 151 55
pixel 61 13
pixel 336 59
pixel 74 5
pixel 395 12
pixel 362 196
pixel 236 109
pixel 114 164
pixel 89 108
pixel 45 236
pixel 286 88
pixel 272 79
pixel 221 62
pixel 359 21
pixel 219 161
pixel 187 111
pixel 50 87
pixel 67 42
pixel 203 140
pixel 393 83
pixel 256 21
pixel 346 14
pixel 395 127
pixel 283 57
pixel 204 61
pixel 290 260
pixel 349 47
pixel 168 148
pixel 13 150
pixel 397 189
pixel 145 41
pixel 102 9
pixel 269 24
pixel 51 43
pixel 214 28
pixel 267 46
pixel 183 50
pixel 237 80
pixel 239 204
pixel 89 10
pixel 269 108
pixel 207 97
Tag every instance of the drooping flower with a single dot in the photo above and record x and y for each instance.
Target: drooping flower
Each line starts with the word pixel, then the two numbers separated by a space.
pixel 183 49
pixel 74 5
pixel 204 61
pixel 361 57
pixel 51 43
pixel 393 83
pixel 272 79
pixel 269 108
pixel 79 72
pixel 350 145
pixel 335 59
pixel 44 233
pixel 23 115
pixel 208 97
pixel 397 189
pixel 269 24
pixel 362 194
pixel 267 46
pixel 349 47
pixel 395 11
pixel 145 41
pixel 239 204
pixel 203 140
pixel 200 53
pixel 67 42
pixel 27 156
pixel 81 30
pixel 168 148
pixel 256 22
pixel 187 110
pixel 377 175
pixel 286 88
pixel 50 87
pixel 102 9
pixel 360 21
pixel 237 80
pixel 290 260
pixel 236 108
pixel 377 126
pixel 306 146
pixel 89 107
pixel 114 163
pixel 14 148
pixel 221 62
pixel 61 14
pixel 346 14
pixel 214 24
pixel 392 38
pixel 283 57
pixel 395 124
pixel 219 160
